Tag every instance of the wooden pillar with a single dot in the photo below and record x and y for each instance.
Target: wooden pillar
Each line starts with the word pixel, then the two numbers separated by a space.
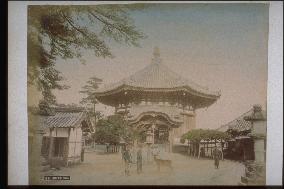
pixel 171 140
pixel 153 133
pixel 51 144
pixel 199 151
pixel 188 148
pixel 222 149
pixel 207 147
pixel 211 150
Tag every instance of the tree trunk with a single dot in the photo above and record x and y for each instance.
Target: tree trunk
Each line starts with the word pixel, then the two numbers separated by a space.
pixel 207 146
pixel 199 151
pixel 95 121
pixel 222 149
pixel 188 148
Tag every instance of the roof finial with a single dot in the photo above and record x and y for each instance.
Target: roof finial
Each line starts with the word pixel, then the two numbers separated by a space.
pixel 156 55
pixel 156 52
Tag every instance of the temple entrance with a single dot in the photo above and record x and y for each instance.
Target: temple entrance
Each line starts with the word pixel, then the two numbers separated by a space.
pixel 155 129
pixel 161 134
pixel 154 134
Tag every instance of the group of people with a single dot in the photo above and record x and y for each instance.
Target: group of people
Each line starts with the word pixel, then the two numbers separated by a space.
pixel 128 160
pixel 129 152
pixel 127 156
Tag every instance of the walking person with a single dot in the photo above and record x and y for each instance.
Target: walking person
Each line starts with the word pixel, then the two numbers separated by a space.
pixel 216 157
pixel 127 160
pixel 107 147
pixel 123 148
pixel 82 154
pixel 139 159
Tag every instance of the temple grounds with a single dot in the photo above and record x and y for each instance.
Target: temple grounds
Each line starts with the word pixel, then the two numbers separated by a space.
pixel 108 169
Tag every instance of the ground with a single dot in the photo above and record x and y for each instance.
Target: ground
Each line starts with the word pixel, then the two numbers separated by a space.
pixel 108 169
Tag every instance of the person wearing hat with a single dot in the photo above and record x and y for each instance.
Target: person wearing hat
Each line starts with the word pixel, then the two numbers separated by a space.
pixel 127 160
pixel 139 159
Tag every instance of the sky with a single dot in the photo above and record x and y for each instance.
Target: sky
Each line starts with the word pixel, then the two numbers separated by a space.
pixel 220 46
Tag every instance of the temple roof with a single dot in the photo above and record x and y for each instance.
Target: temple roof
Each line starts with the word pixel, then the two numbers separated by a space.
pixel 159 77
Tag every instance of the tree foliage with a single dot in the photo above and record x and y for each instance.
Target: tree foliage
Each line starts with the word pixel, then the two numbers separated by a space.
pixel 115 128
pixel 196 135
pixel 66 31
pixel 89 90
pixel 236 133
pixel 110 130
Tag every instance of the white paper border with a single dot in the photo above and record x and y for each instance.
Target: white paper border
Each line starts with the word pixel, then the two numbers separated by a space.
pixel 274 155
pixel 17 92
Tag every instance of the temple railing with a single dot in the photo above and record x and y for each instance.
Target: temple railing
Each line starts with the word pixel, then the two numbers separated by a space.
pixel 173 111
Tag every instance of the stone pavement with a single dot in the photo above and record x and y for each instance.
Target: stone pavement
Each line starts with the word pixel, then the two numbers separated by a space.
pixel 108 169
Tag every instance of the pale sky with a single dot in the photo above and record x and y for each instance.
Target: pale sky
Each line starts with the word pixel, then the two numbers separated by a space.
pixel 220 46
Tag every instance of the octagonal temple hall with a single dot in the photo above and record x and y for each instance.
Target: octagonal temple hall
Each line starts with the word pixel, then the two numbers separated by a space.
pixel 158 101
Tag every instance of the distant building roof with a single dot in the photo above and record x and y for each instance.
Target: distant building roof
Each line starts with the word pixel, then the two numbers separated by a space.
pixel 242 123
pixel 238 124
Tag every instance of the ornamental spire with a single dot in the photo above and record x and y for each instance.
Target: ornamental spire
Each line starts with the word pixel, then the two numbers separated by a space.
pixel 156 55
pixel 156 52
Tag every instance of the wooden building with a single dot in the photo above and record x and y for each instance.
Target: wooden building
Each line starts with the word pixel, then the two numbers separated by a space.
pixel 63 141
pixel 158 101
pixel 242 146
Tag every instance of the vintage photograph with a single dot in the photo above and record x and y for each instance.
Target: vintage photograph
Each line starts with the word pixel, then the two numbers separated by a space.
pixel 147 93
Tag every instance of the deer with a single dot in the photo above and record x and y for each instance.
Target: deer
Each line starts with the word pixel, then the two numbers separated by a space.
pixel 163 163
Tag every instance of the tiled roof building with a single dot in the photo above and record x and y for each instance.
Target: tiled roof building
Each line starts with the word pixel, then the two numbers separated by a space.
pixel 158 101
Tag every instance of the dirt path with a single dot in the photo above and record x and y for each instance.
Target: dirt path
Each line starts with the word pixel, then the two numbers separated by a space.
pixel 109 170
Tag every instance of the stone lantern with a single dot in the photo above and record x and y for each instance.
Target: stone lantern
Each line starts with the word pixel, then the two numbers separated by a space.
pixel 255 170
pixel 258 132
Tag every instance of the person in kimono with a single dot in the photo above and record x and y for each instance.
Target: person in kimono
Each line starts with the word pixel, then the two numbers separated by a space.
pixel 216 156
pixel 127 160
pixel 139 159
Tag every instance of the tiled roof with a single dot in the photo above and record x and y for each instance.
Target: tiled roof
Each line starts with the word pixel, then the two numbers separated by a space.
pixel 238 124
pixel 257 114
pixel 64 119
pixel 157 76
pixel 243 122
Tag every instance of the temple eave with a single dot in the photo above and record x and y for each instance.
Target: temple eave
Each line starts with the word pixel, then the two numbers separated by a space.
pixel 113 102
pixel 186 89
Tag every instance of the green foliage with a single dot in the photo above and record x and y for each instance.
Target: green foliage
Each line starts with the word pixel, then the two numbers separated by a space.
pixel 65 31
pixel 182 140
pixel 89 90
pixel 197 135
pixel 110 130
pixel 47 81
pixel 235 133
pixel 114 128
